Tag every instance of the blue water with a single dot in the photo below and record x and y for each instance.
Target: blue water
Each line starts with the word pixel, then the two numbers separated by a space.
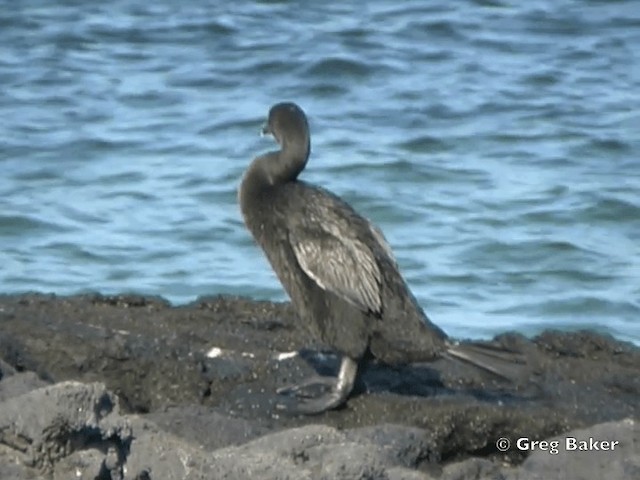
pixel 496 143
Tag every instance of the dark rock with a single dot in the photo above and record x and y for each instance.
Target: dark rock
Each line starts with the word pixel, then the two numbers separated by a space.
pixel 48 424
pixel 189 393
pixel 472 468
pixel 9 469
pixel 623 461
pixel 13 383
pixel 311 452
pixel 206 427
pixel 555 461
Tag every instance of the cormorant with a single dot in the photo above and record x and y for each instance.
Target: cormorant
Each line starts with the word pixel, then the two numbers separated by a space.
pixel 337 268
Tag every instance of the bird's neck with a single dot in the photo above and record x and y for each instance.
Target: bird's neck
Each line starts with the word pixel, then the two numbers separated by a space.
pixel 292 159
pixel 273 168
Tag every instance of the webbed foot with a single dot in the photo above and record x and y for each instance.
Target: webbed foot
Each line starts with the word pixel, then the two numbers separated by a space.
pixel 319 394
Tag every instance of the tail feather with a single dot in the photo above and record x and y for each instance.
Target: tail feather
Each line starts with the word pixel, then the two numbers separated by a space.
pixel 504 363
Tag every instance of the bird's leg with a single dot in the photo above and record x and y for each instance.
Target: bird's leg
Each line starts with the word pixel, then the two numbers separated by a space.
pixel 319 394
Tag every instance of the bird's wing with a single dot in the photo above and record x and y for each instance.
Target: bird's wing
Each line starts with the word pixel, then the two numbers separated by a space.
pixel 341 265
pixel 382 242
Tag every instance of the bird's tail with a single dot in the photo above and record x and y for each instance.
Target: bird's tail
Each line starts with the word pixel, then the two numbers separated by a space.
pixel 500 361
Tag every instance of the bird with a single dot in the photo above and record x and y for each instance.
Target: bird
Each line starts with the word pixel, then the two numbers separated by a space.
pixel 339 272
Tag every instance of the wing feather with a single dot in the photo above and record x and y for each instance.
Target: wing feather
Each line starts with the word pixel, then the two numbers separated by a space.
pixel 342 265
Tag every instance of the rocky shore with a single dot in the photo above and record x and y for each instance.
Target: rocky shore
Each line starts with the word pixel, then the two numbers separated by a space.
pixel 128 387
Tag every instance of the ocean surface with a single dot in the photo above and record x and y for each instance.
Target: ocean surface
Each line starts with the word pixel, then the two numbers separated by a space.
pixel 496 143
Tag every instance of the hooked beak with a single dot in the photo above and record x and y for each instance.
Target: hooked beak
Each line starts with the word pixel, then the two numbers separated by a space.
pixel 265 130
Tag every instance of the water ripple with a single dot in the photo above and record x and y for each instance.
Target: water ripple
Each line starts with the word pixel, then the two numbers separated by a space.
pixel 494 144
